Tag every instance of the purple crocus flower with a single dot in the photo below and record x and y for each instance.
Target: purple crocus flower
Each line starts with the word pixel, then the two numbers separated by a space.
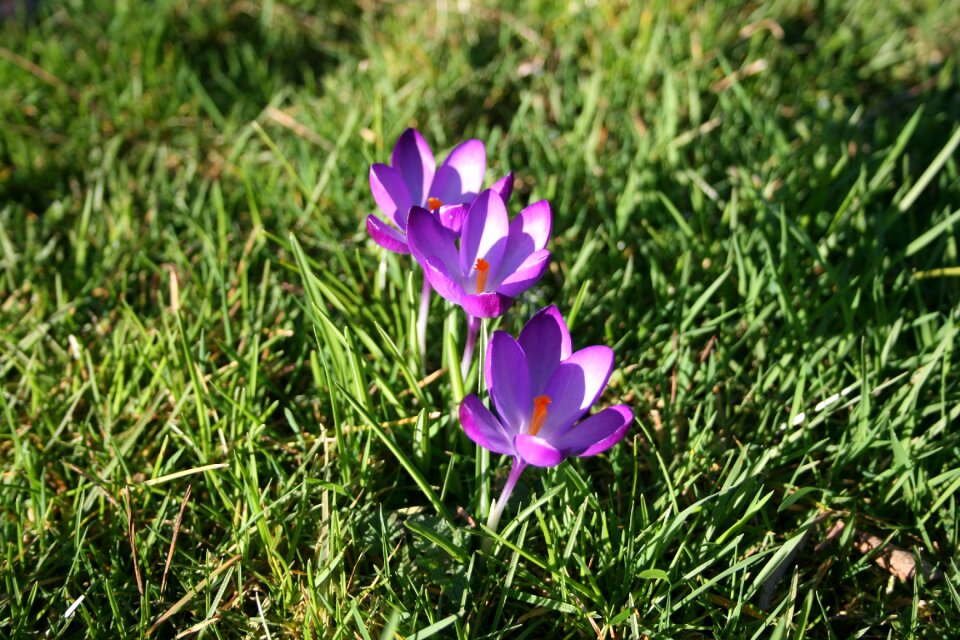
pixel 413 179
pixel 496 261
pixel 542 391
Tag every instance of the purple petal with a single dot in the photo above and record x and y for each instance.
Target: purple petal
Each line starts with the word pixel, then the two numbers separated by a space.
pixel 484 236
pixel 529 233
pixel 537 451
pixel 545 340
pixel 486 305
pixel 597 433
pixel 452 217
pixel 508 381
pixel 534 222
pixel 482 427
pixel 526 274
pixel 386 236
pixel 504 186
pixel 436 252
pixel 460 177
pixel 574 386
pixel 413 160
pixel 390 193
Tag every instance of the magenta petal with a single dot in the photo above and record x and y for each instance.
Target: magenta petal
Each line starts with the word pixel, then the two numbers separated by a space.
pixel 484 235
pixel 526 275
pixel 432 246
pixel 508 381
pixel 452 217
pixel 413 160
pixel 537 451
pixel 386 236
pixel 486 305
pixel 482 427
pixel 460 177
pixel 545 340
pixel 390 193
pixel 575 385
pixel 597 433
pixel 504 186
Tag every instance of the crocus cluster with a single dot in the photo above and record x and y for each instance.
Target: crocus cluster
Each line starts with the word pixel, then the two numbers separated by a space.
pixel 473 255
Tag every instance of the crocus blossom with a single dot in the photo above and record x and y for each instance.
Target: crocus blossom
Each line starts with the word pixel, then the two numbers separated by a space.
pixel 497 259
pixel 413 179
pixel 542 390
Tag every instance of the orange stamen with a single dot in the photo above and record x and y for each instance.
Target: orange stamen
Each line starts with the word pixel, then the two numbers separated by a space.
pixel 482 267
pixel 539 413
pixel 434 203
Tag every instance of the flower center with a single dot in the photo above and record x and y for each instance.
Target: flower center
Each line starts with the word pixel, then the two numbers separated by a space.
pixel 434 203
pixel 482 267
pixel 539 413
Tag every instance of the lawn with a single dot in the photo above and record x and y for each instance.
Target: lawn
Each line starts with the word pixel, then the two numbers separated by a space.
pixel 215 420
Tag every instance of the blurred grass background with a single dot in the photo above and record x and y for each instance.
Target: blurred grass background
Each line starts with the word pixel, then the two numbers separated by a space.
pixel 215 423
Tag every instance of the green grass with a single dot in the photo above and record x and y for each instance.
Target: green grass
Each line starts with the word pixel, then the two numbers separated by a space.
pixel 756 207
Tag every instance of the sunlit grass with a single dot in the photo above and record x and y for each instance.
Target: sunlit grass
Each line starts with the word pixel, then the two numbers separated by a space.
pixel 756 210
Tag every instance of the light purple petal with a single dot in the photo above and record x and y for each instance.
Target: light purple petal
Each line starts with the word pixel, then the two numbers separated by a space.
pixel 390 193
pixel 486 305
pixel 386 236
pixel 574 386
pixel 436 252
pixel 460 177
pixel 482 427
pixel 534 222
pixel 452 217
pixel 504 186
pixel 537 451
pixel 413 160
pixel 484 236
pixel 597 433
pixel 529 233
pixel 508 381
pixel 446 287
pixel 526 275
pixel 545 340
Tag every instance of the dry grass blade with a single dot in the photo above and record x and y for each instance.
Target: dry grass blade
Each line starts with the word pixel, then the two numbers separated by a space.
pixel 131 534
pixel 188 596
pixel 173 540
pixel 96 483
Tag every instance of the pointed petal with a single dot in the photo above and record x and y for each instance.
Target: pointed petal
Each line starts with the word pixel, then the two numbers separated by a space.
pixel 452 217
pixel 504 186
pixel 486 305
pixel 436 252
pixel 445 286
pixel 537 451
pixel 508 381
pixel 574 386
pixel 460 177
pixel 413 160
pixel 535 222
pixel 526 275
pixel 386 236
pixel 482 427
pixel 484 234
pixel 390 193
pixel 597 433
pixel 545 340
pixel 529 233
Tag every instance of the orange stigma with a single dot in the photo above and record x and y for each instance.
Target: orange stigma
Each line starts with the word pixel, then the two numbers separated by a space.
pixel 434 203
pixel 539 413
pixel 482 267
